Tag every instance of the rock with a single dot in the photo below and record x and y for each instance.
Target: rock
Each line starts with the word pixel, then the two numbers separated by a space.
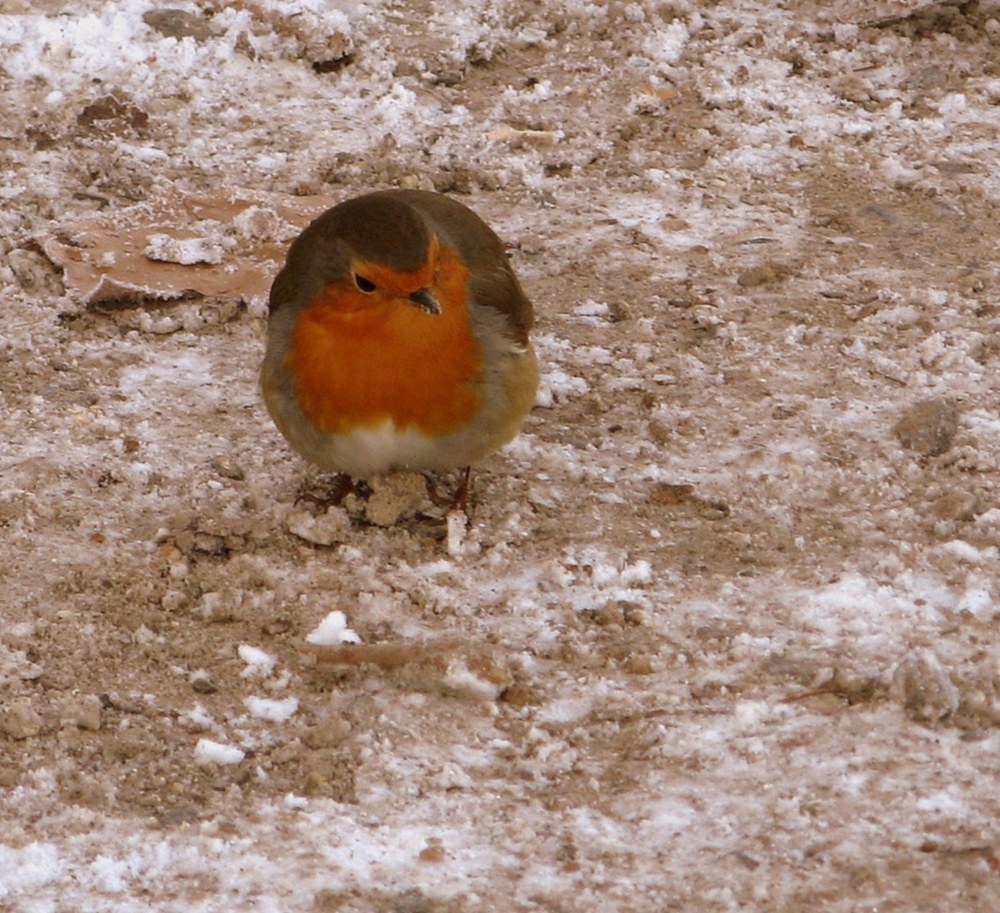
pixel 19 720
pixel 220 606
pixel 411 902
pixel 34 273
pixel 640 664
pixel 956 505
pixel 228 468
pixel 764 274
pixel 922 684
pixel 327 733
pixel 110 113
pixel 202 682
pixel 179 24
pixel 394 497
pixel 481 676
pixel 14 664
pixel 327 528
pixel 433 852
pixel 611 613
pixel 522 695
pixel 929 427
pixel 82 711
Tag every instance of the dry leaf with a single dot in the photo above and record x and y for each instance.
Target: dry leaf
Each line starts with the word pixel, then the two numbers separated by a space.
pixel 227 244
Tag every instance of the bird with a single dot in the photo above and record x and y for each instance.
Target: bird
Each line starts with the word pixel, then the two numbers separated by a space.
pixel 398 339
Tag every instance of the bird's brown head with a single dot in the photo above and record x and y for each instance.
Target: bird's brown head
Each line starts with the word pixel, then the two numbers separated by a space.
pixel 371 251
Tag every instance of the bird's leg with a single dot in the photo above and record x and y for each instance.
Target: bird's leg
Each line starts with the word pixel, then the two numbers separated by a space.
pixel 343 485
pixel 459 500
pixel 463 494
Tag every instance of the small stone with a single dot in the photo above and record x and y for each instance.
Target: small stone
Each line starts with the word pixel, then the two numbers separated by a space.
pixel 611 613
pixel 411 902
pixel 481 676
pixel 633 613
pixel 823 704
pixel 669 494
pixel 327 733
pixel 318 782
pixel 929 427
pixel 183 814
pixel 521 695
pixel 34 273
pixel 327 528
pixel 675 223
pixel 111 113
pixel 394 497
pixel 173 600
pixel 201 682
pixel 228 468
pixel 82 711
pixel 327 900
pixel 179 24
pixel 220 606
pixel 765 274
pixel 114 701
pixel 619 311
pixel 209 543
pixel 922 684
pixel 660 431
pixel 956 505
pixel 20 721
pixel 434 852
pixel 639 664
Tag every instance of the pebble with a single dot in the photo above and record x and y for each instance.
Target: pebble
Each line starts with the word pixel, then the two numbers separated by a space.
pixel 956 505
pixel 611 613
pixel 177 23
pixel 325 529
pixel 411 902
pixel 327 733
pixel 82 711
pixel 521 695
pixel 20 721
pixel 202 682
pixel 764 274
pixel 929 427
pixel 228 468
pixel 220 605
pixel 640 664
pixel 394 497
pixel 922 684
pixel 433 852
pixel 34 272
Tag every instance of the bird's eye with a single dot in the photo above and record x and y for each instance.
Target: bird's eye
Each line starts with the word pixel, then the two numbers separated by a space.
pixel 366 285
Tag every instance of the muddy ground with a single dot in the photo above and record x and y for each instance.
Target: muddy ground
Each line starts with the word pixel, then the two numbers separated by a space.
pixel 721 631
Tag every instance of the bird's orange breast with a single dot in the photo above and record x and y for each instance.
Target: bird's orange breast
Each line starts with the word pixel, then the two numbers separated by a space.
pixel 359 362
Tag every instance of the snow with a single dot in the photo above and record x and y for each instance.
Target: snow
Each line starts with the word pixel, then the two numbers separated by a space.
pixel 271 710
pixel 333 629
pixel 208 751
pixel 778 688
pixel 259 663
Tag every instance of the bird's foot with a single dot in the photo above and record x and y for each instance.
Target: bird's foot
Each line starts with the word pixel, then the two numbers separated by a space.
pixel 343 485
pixel 460 499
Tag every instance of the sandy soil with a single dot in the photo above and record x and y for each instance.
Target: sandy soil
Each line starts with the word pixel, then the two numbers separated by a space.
pixel 721 632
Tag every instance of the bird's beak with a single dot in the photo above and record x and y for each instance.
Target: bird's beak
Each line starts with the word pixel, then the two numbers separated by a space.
pixel 424 299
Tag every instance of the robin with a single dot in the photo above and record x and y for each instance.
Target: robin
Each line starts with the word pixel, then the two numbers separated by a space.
pixel 398 338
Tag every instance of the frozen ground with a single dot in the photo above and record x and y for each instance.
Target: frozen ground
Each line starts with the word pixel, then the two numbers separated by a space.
pixel 721 634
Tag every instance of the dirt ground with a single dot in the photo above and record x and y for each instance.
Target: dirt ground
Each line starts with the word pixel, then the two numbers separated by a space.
pixel 721 632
